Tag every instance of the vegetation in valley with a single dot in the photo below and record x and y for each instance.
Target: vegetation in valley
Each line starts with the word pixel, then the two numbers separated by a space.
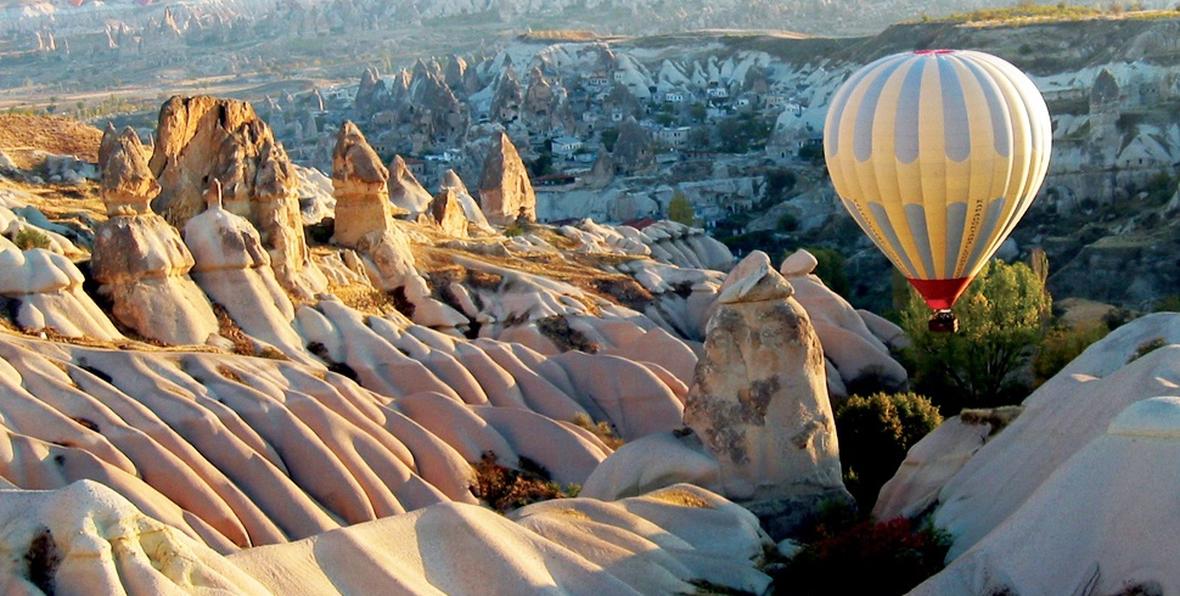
pixel 505 489
pixel 1003 316
pixel 875 432
pixel 680 209
pixel 29 238
pixel 557 329
pixel 1028 11
pixel 603 430
pixel 848 554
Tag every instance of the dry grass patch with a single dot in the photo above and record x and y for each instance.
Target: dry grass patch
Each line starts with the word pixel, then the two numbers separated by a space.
pixel 602 430
pixel 230 374
pixel 227 328
pixel 364 298
pixel 79 206
pixel 681 498
pixel 52 134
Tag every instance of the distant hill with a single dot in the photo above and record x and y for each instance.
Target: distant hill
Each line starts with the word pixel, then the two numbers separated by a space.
pixel 846 17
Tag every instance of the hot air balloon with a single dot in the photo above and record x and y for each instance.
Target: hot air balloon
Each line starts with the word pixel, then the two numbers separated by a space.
pixel 937 154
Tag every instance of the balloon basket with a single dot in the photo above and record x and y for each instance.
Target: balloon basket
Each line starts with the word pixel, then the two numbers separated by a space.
pixel 944 321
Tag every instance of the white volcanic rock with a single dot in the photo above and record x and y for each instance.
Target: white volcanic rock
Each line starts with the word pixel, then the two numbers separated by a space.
pixel 935 459
pixel 885 330
pixel 254 450
pixel 404 190
pixel 633 397
pixel 652 462
pixel 314 189
pixel 658 543
pixel 232 268
pixel 45 292
pixel 682 246
pixel 505 192
pixel 1059 418
pixel 138 258
pixel 758 400
pixel 471 208
pixel 848 343
pixel 1102 522
pixel 202 139
pixel 87 539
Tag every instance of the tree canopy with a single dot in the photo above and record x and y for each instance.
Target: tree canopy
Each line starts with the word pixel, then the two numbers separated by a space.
pixel 1002 317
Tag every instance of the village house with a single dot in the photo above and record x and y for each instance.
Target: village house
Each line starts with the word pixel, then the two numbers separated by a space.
pixel 565 147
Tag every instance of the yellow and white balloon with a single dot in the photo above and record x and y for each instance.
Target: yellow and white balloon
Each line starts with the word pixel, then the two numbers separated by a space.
pixel 937 154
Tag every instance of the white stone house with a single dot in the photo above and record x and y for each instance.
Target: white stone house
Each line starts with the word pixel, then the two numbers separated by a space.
pixel 566 147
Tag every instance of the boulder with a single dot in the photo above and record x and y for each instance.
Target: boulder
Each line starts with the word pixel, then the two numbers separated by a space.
pixel 43 291
pixel 652 462
pixel 862 358
pixel 138 259
pixel 471 209
pixel 127 183
pixel 505 192
pixel 201 139
pixel 405 192
pixel 447 213
pixel 936 458
pixel 233 269
pixel 759 400
pixel 359 185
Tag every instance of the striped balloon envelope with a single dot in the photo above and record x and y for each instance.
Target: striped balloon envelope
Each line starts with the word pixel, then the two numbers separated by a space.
pixel 937 154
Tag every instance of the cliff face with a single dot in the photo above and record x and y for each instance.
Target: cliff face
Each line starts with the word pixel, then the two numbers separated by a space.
pixel 200 139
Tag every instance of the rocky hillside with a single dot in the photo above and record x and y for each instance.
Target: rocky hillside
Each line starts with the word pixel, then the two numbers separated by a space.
pixel 732 122
pixel 1080 449
pixel 231 356
pixel 614 16
pixel 222 371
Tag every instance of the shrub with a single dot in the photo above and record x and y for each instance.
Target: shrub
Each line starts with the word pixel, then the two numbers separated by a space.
pixel 875 432
pixel 29 238
pixel 505 489
pixel 866 558
pixel 1147 347
pixel 1002 316
pixel 1061 345
pixel 603 430
pixel 830 268
pixel 788 222
pixel 680 209
pixel 1117 317
pixel 1167 304
pixel 557 329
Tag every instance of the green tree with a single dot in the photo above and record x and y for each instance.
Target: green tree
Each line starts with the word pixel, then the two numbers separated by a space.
pixel 680 209
pixel 779 182
pixel 609 136
pixel 1002 317
pixel 830 268
pixel 875 432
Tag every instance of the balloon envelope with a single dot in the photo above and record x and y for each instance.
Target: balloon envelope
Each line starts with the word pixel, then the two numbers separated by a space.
pixel 937 154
